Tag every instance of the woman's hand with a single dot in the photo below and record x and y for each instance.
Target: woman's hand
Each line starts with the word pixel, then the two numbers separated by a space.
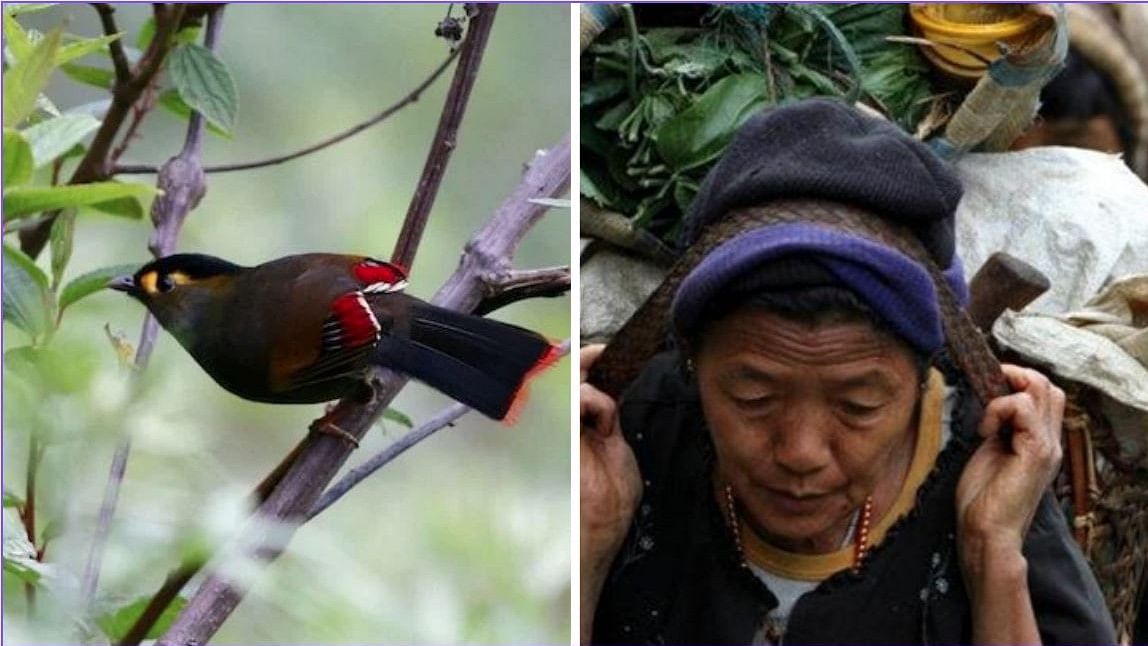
pixel 1000 488
pixel 611 485
pixel 610 488
pixel 997 497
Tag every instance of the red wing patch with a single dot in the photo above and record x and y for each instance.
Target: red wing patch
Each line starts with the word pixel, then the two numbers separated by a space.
pixel 378 276
pixel 351 324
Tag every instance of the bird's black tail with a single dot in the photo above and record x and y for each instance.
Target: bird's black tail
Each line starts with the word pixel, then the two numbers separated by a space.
pixel 480 362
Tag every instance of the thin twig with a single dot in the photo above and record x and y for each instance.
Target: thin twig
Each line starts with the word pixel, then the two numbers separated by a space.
pixel 183 185
pixel 116 47
pixel 139 111
pixel 104 520
pixel 96 164
pixel 446 137
pixel 521 284
pixel 159 602
pixel 444 418
pixel 28 514
pixel 413 96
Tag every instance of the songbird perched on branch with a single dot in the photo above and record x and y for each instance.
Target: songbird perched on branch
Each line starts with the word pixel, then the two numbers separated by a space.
pixel 305 329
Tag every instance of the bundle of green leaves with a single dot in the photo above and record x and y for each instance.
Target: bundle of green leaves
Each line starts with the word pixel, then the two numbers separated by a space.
pixel 659 105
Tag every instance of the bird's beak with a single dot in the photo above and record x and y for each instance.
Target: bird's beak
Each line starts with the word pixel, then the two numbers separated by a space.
pixel 122 284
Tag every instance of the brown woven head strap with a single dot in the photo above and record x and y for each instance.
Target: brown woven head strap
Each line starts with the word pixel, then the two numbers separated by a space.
pixel 642 335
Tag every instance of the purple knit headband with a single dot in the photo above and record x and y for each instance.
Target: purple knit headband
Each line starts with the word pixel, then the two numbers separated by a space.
pixel 895 287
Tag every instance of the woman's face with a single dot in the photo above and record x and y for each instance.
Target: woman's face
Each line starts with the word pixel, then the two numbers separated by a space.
pixel 807 420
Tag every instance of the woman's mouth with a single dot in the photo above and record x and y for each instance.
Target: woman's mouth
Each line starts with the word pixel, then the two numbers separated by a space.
pixel 796 503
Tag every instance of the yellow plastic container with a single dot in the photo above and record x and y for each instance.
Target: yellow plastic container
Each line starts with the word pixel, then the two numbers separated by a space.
pixel 966 34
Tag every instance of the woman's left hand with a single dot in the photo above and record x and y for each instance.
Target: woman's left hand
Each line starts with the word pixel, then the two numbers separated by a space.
pixel 1000 488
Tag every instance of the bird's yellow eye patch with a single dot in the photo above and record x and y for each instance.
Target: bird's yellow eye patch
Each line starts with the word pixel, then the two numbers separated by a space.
pixel 147 282
pixel 151 284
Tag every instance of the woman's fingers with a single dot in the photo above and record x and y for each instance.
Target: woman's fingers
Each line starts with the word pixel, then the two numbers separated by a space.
pixel 586 358
pixel 598 410
pixel 1034 412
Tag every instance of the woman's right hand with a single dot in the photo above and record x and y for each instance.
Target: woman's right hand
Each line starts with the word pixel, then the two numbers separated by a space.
pixel 610 490
pixel 611 485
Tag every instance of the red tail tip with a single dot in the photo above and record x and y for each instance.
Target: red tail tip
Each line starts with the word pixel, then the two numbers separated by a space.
pixel 548 358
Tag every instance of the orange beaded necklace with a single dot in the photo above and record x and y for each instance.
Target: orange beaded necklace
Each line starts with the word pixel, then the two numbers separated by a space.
pixel 860 529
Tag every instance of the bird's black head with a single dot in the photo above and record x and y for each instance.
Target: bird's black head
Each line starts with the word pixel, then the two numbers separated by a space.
pixel 158 279
pixel 180 290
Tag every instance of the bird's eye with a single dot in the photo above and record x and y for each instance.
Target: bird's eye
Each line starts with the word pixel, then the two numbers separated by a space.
pixel 165 284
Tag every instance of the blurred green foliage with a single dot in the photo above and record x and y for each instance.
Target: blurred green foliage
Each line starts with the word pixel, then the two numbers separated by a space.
pixel 465 539
pixel 659 104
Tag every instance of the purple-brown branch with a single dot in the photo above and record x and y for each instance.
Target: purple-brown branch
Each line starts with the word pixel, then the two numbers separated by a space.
pixel 116 47
pixel 521 284
pixel 446 137
pixel 183 184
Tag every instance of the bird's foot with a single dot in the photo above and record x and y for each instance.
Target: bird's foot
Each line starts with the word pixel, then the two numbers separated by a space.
pixel 324 426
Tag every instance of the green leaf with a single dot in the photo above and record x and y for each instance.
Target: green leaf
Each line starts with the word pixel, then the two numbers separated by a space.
pixel 17 39
pixel 61 240
pixel 188 34
pixel 27 78
pixel 12 500
pixel 699 134
pixel 27 302
pixel 124 207
pixel 147 32
pixel 80 48
pixel 52 530
pixel 551 202
pixel 88 75
pixel 44 104
pixel 116 623
pixel 398 417
pixel 22 201
pixel 205 84
pixel 18 164
pixel 92 282
pixel 15 9
pixel 171 101
pixel 23 569
pixel 54 137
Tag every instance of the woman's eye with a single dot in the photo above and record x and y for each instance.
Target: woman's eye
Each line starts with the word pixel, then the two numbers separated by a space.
pixel 165 284
pixel 754 401
pixel 856 409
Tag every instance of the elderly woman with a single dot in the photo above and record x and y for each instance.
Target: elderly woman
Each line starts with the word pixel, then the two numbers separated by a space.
pixel 811 462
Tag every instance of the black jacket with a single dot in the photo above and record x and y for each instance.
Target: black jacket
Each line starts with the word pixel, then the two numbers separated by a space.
pixel 678 578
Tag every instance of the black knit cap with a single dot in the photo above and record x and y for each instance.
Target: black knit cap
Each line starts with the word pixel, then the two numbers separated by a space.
pixel 825 149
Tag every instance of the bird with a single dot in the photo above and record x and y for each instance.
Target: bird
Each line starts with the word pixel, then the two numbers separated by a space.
pixel 307 328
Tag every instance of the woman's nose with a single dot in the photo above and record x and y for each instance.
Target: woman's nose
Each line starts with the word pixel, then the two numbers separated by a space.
pixel 801 443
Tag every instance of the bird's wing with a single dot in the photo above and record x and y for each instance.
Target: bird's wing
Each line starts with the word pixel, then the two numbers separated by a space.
pixel 332 334
pixel 348 336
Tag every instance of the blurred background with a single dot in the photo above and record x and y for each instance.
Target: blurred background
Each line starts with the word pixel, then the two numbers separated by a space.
pixel 465 539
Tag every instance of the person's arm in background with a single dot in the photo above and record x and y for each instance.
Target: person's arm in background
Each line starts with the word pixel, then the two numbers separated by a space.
pixel 610 489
